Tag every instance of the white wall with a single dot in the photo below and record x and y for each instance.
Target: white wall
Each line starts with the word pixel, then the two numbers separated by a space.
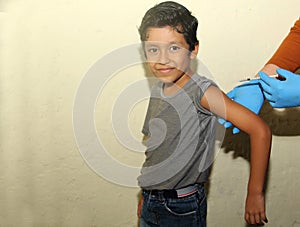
pixel 47 47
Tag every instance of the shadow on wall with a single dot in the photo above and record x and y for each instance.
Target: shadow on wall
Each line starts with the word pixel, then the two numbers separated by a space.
pixel 283 122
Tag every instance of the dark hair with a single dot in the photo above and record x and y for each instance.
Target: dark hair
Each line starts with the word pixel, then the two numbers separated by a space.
pixel 174 15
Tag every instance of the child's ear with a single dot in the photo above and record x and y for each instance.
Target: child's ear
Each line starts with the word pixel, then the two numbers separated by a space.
pixel 195 51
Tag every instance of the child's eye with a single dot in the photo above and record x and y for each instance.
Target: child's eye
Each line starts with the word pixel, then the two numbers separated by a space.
pixel 152 50
pixel 174 48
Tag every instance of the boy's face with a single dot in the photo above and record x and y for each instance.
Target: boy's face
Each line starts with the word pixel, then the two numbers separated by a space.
pixel 168 54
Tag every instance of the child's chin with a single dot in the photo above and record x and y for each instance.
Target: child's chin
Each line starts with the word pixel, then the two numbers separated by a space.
pixel 165 80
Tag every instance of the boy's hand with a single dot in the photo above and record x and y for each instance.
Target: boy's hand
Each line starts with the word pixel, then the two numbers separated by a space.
pixel 255 209
pixel 140 205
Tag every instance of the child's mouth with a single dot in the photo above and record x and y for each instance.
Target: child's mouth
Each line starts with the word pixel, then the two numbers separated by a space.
pixel 165 70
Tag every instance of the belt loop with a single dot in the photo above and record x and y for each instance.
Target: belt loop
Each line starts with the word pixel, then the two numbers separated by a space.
pixel 149 198
pixel 161 195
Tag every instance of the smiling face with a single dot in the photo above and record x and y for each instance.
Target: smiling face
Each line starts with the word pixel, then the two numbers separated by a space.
pixel 168 55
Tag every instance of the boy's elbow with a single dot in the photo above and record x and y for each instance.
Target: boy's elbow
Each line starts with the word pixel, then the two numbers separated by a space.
pixel 264 131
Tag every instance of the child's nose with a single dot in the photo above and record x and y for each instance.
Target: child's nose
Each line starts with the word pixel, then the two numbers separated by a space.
pixel 164 57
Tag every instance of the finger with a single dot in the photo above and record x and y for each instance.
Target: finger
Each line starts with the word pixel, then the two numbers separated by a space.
pixel 273 104
pixel 266 87
pixel 140 205
pixel 138 213
pixel 285 73
pixel 247 218
pixel 269 97
pixel 235 130
pixel 265 78
pixel 227 124
pixel 258 219
pixel 221 121
pixel 264 217
pixel 252 219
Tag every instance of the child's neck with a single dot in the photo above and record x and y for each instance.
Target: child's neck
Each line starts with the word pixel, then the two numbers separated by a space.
pixel 173 87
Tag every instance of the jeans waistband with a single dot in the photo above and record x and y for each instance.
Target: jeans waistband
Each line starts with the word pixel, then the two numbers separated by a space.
pixel 175 193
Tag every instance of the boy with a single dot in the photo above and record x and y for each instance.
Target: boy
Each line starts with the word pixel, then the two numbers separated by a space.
pixel 180 125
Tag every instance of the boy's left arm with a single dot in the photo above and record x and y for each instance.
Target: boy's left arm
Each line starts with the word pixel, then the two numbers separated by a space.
pixel 260 137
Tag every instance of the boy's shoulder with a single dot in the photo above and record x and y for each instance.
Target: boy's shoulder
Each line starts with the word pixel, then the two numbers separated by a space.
pixel 202 81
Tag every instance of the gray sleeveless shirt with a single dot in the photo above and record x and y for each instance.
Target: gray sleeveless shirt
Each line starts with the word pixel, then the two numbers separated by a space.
pixel 180 136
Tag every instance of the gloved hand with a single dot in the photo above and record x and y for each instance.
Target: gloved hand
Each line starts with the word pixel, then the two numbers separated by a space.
pixel 281 94
pixel 248 94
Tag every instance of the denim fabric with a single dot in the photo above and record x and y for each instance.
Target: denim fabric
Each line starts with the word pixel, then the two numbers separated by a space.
pixel 182 212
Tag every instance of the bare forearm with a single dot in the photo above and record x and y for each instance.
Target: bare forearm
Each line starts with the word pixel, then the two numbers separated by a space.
pixel 260 153
pixel 255 211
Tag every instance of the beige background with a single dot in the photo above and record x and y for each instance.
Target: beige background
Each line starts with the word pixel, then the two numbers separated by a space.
pixel 46 49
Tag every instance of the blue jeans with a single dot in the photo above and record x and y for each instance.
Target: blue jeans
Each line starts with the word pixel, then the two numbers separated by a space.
pixel 186 211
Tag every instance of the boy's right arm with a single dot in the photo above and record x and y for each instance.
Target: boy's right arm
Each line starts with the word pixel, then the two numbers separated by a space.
pixel 140 205
pixel 260 139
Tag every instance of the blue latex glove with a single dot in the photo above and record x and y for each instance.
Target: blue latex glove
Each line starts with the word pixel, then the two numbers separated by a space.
pixel 281 94
pixel 248 94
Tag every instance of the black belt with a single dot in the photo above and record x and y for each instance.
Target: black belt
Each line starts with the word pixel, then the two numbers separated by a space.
pixel 175 193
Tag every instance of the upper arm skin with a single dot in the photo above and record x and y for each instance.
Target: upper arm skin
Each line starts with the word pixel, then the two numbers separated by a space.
pixel 218 103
